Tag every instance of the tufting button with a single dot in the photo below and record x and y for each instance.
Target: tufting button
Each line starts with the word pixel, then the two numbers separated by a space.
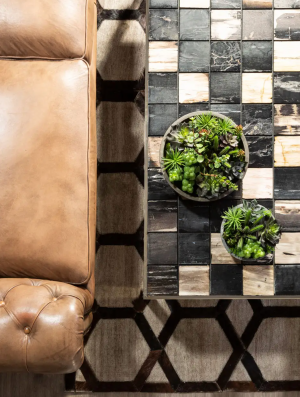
pixel 2 303
pixel 54 299
pixel 27 330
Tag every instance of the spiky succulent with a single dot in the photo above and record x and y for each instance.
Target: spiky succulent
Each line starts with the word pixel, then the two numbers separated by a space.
pixel 234 218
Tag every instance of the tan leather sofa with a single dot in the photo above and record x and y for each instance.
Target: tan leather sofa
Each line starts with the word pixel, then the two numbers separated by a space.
pixel 47 182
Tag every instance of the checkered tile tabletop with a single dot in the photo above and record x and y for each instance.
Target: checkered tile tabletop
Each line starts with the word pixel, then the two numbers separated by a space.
pixel 241 59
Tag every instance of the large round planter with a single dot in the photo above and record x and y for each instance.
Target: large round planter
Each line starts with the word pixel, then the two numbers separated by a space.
pixel 268 258
pixel 162 149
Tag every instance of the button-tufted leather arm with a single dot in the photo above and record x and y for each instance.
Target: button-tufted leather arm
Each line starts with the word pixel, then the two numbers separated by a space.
pixel 33 312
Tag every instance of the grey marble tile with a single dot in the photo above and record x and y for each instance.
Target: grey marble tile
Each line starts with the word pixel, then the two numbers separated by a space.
pixel 226 3
pixel 261 151
pixel 163 88
pixel 163 3
pixel 158 187
pixel 286 88
pixel 287 3
pixel 162 280
pixel 185 108
pixel 194 248
pixel 226 24
pixel 194 56
pixel 194 24
pixel 257 119
pixel 163 25
pixel 287 24
pixel 233 111
pixel 257 56
pixel 257 25
pixel 287 183
pixel 160 118
pixel 225 87
pixel 225 56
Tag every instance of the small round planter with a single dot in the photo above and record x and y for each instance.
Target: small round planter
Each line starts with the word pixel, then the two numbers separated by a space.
pixel 267 258
pixel 162 149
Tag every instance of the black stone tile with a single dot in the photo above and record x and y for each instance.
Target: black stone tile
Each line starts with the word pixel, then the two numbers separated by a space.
pixel 287 25
pixel 225 87
pixel 287 183
pixel 194 248
pixel 232 111
pixel 162 248
pixel 266 203
pixel 162 280
pixel 287 119
pixel 257 25
pixel 158 187
pixel 160 118
pixel 261 151
pixel 163 88
pixel 257 56
pixel 287 280
pixel 185 108
pixel 225 56
pixel 163 25
pixel 194 56
pixel 194 24
pixel 217 209
pixel 286 87
pixel 193 217
pixel 162 216
pixel 226 280
pixel 163 3
pixel 257 119
pixel 226 3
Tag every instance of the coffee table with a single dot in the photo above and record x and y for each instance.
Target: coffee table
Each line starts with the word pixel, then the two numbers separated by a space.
pixel 244 62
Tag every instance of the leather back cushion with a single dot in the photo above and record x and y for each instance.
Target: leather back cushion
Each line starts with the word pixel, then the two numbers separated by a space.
pixel 44 170
pixel 52 29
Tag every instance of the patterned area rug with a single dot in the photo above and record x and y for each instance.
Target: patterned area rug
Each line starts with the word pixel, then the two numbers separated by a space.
pixel 162 346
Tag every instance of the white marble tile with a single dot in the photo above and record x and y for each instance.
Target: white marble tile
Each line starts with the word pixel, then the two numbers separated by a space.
pixel 257 88
pixel 287 151
pixel 193 87
pixel 225 25
pixel 258 280
pixel 288 250
pixel 286 56
pixel 193 280
pixel 258 183
pixel 194 3
pixel 163 56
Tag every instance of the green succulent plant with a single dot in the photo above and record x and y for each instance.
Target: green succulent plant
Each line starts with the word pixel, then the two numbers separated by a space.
pixel 234 218
pixel 204 121
pixel 174 159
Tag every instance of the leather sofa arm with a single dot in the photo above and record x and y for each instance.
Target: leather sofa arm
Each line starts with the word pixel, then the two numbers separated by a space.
pixel 42 324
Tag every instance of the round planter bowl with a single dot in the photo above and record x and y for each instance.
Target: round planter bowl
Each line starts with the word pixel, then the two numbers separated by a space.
pixel 162 149
pixel 268 258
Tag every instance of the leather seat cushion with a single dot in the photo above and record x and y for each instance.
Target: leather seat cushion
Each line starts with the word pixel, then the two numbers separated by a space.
pixel 42 325
pixel 44 170
pixel 54 29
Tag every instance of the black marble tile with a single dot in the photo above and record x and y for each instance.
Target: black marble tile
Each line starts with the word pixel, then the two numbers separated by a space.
pixel 287 25
pixel 287 183
pixel 185 108
pixel 226 3
pixel 163 88
pixel 194 56
pixel 217 209
pixel 163 3
pixel 257 56
pixel 162 248
pixel 163 25
pixel 261 151
pixel 233 111
pixel 160 118
pixel 266 203
pixel 286 87
pixel 193 217
pixel 226 280
pixel 225 87
pixel 287 119
pixel 257 25
pixel 287 280
pixel 194 248
pixel 162 280
pixel 225 56
pixel 162 216
pixel 158 187
pixel 257 119
pixel 194 24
